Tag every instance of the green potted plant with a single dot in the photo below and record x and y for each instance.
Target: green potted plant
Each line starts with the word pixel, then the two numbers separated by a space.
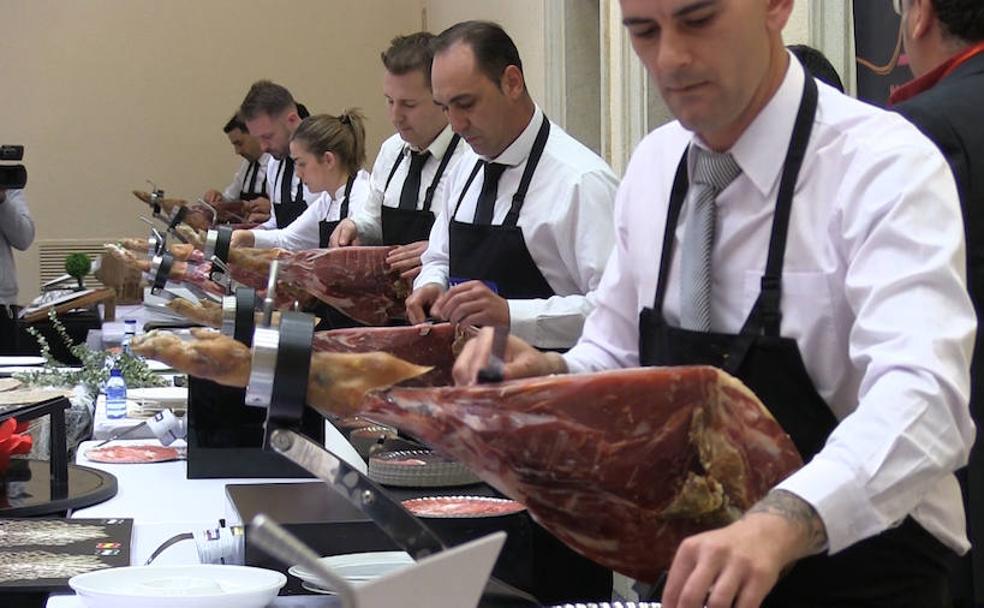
pixel 78 265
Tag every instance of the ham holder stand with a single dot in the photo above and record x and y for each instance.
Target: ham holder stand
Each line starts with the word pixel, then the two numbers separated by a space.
pixel 278 383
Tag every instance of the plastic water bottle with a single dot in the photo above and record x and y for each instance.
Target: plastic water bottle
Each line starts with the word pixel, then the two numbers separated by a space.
pixel 116 395
pixel 129 332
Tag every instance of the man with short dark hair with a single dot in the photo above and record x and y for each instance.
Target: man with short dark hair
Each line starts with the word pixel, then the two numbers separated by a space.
pixel 250 181
pixel 944 40
pixel 810 245
pixel 410 175
pixel 272 115
pixel 526 226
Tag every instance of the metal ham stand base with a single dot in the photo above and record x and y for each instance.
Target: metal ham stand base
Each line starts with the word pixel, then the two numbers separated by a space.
pixel 278 383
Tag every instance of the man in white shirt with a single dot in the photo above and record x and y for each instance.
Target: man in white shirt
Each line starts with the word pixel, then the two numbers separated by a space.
pixel 525 229
pixel 249 184
pixel 856 331
pixel 410 175
pixel 272 116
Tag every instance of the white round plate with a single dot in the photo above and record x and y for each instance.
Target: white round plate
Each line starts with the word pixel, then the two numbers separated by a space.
pixel 197 586
pixel 6 361
pixel 356 567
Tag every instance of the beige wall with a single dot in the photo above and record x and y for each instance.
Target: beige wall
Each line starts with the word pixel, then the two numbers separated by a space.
pixel 107 93
pixel 523 19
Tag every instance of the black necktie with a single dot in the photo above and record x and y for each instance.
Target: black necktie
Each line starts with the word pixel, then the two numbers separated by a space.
pixel 490 191
pixel 411 185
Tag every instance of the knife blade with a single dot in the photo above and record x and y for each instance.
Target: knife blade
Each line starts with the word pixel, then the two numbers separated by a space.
pixel 495 368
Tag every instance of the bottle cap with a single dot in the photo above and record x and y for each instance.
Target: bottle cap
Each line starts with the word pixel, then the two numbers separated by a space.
pixel 115 372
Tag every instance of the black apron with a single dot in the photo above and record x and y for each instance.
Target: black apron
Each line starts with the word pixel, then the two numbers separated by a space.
pixel 330 317
pixel 405 226
pixel 248 192
pixel 904 566
pixel 292 204
pixel 497 255
pixel 325 228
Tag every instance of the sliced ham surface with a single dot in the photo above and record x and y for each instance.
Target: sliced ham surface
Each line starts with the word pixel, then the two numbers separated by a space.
pixel 621 465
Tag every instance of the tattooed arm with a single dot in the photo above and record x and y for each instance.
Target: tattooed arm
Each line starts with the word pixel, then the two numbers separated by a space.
pixel 797 511
pixel 739 564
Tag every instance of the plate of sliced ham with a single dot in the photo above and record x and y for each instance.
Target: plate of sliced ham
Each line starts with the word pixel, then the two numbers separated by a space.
pixel 133 454
pixel 462 506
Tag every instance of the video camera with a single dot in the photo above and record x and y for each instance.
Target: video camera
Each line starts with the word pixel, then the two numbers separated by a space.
pixel 12 177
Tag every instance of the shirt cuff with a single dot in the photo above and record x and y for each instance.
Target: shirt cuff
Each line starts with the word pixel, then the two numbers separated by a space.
pixel 834 493
pixel 430 275
pixel 265 239
pixel 523 315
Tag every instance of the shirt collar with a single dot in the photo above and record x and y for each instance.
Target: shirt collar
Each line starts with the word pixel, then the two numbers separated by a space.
pixel 761 149
pixel 519 150
pixel 436 147
pixel 930 79
pixel 339 194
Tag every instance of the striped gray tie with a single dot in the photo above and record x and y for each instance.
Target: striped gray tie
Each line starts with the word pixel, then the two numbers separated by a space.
pixel 712 173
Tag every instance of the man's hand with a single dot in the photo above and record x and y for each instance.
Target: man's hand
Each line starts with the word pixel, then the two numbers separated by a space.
pixel 739 564
pixel 345 234
pixel 242 238
pixel 522 360
pixel 421 301
pixel 405 259
pixel 257 210
pixel 213 196
pixel 472 303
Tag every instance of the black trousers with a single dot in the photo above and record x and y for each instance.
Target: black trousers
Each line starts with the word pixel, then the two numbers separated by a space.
pixel 905 567
pixel 8 329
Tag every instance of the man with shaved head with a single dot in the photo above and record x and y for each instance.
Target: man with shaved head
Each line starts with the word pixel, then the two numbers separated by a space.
pixel 812 246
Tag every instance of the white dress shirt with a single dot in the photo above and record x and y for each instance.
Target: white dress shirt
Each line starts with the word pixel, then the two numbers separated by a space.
pixel 873 292
pixel 303 233
pixel 566 222
pixel 274 178
pixel 369 220
pixel 244 175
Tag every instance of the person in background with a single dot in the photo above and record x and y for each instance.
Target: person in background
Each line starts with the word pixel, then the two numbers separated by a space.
pixel 817 64
pixel 526 226
pixel 250 181
pixel 272 115
pixel 944 40
pixel 812 246
pixel 409 178
pixel 17 232
pixel 328 153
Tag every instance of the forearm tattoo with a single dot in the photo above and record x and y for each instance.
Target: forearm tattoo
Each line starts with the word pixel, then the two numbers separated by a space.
pixel 797 511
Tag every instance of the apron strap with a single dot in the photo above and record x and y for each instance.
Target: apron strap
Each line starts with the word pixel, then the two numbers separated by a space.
pixel 396 165
pixel 677 195
pixel 531 163
pixel 445 161
pixel 344 211
pixel 464 191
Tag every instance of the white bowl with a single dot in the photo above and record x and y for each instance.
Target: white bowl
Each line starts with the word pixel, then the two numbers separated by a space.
pixel 197 586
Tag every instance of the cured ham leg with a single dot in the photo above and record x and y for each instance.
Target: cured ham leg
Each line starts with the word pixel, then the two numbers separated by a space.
pixel 621 466
pixel 195 274
pixel 354 280
pixel 337 381
pixel 425 344
pixel 205 312
pixel 196 217
pixel 185 252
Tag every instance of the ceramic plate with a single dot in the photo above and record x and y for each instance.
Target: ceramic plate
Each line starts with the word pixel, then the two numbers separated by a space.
pixel 356 567
pixel 198 586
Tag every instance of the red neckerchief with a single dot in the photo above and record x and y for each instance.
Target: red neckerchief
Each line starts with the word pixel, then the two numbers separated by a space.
pixel 931 79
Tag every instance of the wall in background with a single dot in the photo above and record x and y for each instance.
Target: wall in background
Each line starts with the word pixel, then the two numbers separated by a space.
pixel 105 94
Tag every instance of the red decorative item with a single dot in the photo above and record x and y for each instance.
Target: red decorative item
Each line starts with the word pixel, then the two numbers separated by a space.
pixel 13 441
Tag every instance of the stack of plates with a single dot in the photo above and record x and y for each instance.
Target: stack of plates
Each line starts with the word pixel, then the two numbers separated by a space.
pixel 418 469
pixel 355 568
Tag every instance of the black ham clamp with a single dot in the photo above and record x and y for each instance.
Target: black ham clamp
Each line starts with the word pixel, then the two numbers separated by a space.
pixel 217 244
pixel 278 382
pixel 156 242
pixel 156 196
pixel 159 274
pixel 239 315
